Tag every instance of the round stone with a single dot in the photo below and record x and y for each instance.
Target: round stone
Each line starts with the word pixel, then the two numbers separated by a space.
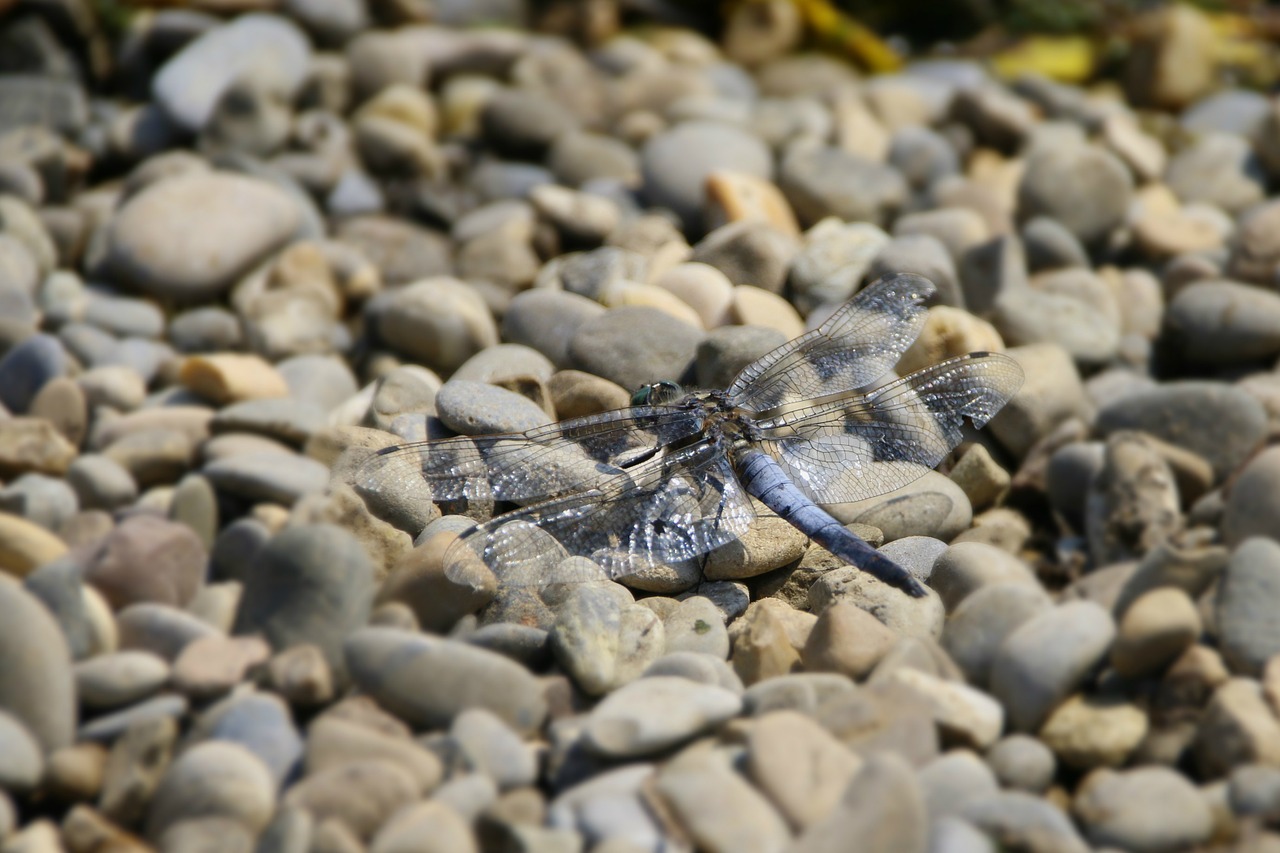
pixel 191 236
pixel 1146 808
pixel 213 779
pixel 653 714
pixel 676 163
pixel 1082 187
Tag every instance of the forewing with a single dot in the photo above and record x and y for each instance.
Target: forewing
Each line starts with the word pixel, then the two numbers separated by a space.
pixel 662 512
pixel 469 474
pixel 856 345
pixel 863 445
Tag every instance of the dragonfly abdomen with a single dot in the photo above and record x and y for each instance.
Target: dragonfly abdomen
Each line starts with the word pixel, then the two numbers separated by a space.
pixel 762 477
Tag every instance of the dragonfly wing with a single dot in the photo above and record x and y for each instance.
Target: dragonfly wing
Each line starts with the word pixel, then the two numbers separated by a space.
pixel 665 511
pixel 863 445
pixel 470 474
pixel 856 345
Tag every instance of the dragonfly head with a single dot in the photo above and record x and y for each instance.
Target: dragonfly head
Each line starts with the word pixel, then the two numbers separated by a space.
pixel 656 393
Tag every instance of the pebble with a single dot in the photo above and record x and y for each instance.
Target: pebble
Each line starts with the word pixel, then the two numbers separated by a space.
pixel 718 809
pixel 931 505
pixel 966 567
pixel 427 680
pixel 1224 322
pixel 1017 819
pixel 440 322
pixel 653 714
pixel 963 714
pixel 1022 763
pixel 1101 731
pixel 1237 727
pixel 847 639
pixel 912 617
pixel 1218 169
pixel 109 727
pixel 429 827
pixel 491 747
pixel 155 244
pixel 822 181
pixel 333 742
pixel 1042 661
pixel 1248 587
pixel 1252 506
pixel 148 559
pixel 24 763
pixel 121 678
pixel 308 584
pixel 1154 631
pixel 384 788
pixel 675 164
pixel 1176 412
pixel 28 367
pixel 883 807
pixel 38 689
pixel 476 408
pixel 47 501
pixel 159 628
pixel 101 483
pixel 1084 188
pixel 1146 808
pixel 33 444
pixel 633 346
pixel 953 780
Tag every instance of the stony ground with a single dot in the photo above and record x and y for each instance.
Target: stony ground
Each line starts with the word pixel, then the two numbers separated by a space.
pixel 237 253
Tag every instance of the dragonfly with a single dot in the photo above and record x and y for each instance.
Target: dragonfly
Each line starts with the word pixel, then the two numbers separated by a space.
pixel 673 476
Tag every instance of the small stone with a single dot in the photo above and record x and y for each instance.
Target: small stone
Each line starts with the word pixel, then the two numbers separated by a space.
pixel 966 567
pixel 154 242
pixel 1237 727
pixel 309 584
pixel 427 680
pixel 492 748
pixel 695 625
pixel 1044 660
pixel 213 779
pixel 223 378
pixel 963 714
pixel 799 766
pixel 1051 393
pixel 1015 819
pixel 476 408
pixel 980 477
pixel 27 367
pixel 38 688
pixel 1083 187
pixel 748 252
pixel 847 639
pixel 1221 322
pixel 676 163
pixel 883 808
pixel 633 346
pixel 902 614
pixel 718 809
pixel 101 482
pixel 33 444
pixel 160 629
pixel 150 559
pixel 1252 506
pixel 653 714
pixel 112 680
pixel 762 645
pixel 1154 631
pixel 360 794
pixel 1219 169
pixel 828 181
pixel 1180 412
pixel 1146 808
pixel 333 742
pixel 23 760
pixel 440 322
pixel 25 546
pixel 1094 731
pixel 1248 588
pixel 425 827
pixel 1023 763
pixel 212 666
pixel 135 765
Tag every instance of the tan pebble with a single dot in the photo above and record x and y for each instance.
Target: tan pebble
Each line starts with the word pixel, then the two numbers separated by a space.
pixel 754 306
pixel 85 828
pixel 1095 731
pixel 301 675
pixel 63 403
pixel 33 445
pixel 1154 631
pixel 980 477
pixel 25 545
pixel 575 394
pixel 403 103
pixel 857 129
pixel 848 640
pixel 949 332
pixel 224 378
pixel 737 197
pixel 438 600
pixel 75 773
pixel 624 293
pixel 211 666
pixel 702 287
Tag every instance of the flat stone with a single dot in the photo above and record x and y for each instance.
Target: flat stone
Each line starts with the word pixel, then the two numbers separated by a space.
pixel 309 584
pixel 1042 661
pixel 883 807
pixel 718 808
pixel 191 236
pixel 427 680
pixel 653 714
pixel 111 680
pixel 1095 731
pixel 38 688
pixel 148 559
pixel 1146 808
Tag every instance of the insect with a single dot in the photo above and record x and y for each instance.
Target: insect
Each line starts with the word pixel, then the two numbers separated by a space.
pixel 672 477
